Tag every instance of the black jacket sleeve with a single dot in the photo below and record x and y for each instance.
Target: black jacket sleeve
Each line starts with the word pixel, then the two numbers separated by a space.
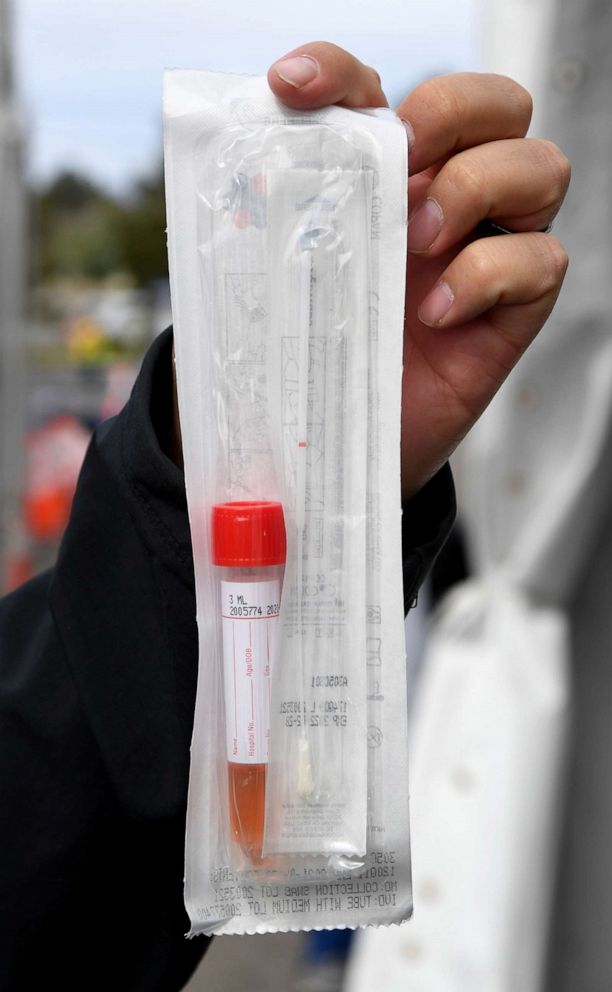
pixel 427 520
pixel 98 667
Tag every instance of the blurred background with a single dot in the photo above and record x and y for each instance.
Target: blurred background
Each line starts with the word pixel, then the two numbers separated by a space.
pixel 503 786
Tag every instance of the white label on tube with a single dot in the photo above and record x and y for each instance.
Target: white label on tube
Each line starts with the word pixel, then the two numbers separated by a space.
pixel 250 614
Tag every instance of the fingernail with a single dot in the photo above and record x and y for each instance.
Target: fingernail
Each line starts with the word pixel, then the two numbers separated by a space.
pixel 297 70
pixel 424 225
pixel 436 305
pixel 409 132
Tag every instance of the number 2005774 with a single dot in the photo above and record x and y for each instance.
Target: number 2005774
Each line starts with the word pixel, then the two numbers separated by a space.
pixel 254 611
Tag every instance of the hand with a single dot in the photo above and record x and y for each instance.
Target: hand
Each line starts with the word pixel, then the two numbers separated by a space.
pixel 472 304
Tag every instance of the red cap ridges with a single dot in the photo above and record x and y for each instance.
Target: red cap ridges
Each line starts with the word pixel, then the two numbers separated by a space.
pixel 248 533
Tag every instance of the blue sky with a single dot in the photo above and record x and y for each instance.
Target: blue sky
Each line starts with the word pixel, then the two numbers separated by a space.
pixel 90 71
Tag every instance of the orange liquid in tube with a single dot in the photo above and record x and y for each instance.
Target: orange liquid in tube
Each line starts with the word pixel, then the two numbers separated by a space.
pixel 249 550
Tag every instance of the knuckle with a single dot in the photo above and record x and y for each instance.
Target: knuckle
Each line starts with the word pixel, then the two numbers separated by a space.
pixel 326 48
pixel 524 101
pixel 557 256
pixel 546 260
pixel 466 173
pixel 481 266
pixel 375 74
pixel 558 164
pixel 442 99
pixel 519 96
pixel 330 56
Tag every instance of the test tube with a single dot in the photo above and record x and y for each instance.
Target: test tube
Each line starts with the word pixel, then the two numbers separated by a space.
pixel 249 550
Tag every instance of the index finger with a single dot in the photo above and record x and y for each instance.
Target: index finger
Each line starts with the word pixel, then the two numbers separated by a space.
pixel 319 74
pixel 458 111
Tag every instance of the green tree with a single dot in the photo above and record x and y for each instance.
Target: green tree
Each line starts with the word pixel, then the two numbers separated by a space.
pixel 75 229
pixel 143 230
pixel 79 229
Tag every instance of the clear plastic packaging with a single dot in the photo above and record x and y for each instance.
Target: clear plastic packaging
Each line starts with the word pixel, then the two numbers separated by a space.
pixel 287 251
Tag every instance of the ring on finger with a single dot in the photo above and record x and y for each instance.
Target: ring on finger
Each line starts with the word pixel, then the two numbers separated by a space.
pixel 488 229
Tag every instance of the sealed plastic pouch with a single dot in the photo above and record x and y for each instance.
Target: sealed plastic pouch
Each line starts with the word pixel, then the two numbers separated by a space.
pixel 286 237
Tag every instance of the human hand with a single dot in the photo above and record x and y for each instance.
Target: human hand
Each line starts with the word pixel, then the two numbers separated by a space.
pixel 473 304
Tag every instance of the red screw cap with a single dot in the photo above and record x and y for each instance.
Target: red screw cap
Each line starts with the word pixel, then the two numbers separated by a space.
pixel 248 533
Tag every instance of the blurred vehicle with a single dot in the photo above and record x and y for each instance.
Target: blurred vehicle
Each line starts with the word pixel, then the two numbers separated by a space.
pixel 54 455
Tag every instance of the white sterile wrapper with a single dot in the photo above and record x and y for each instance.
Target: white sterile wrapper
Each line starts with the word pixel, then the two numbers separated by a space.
pixel 287 253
